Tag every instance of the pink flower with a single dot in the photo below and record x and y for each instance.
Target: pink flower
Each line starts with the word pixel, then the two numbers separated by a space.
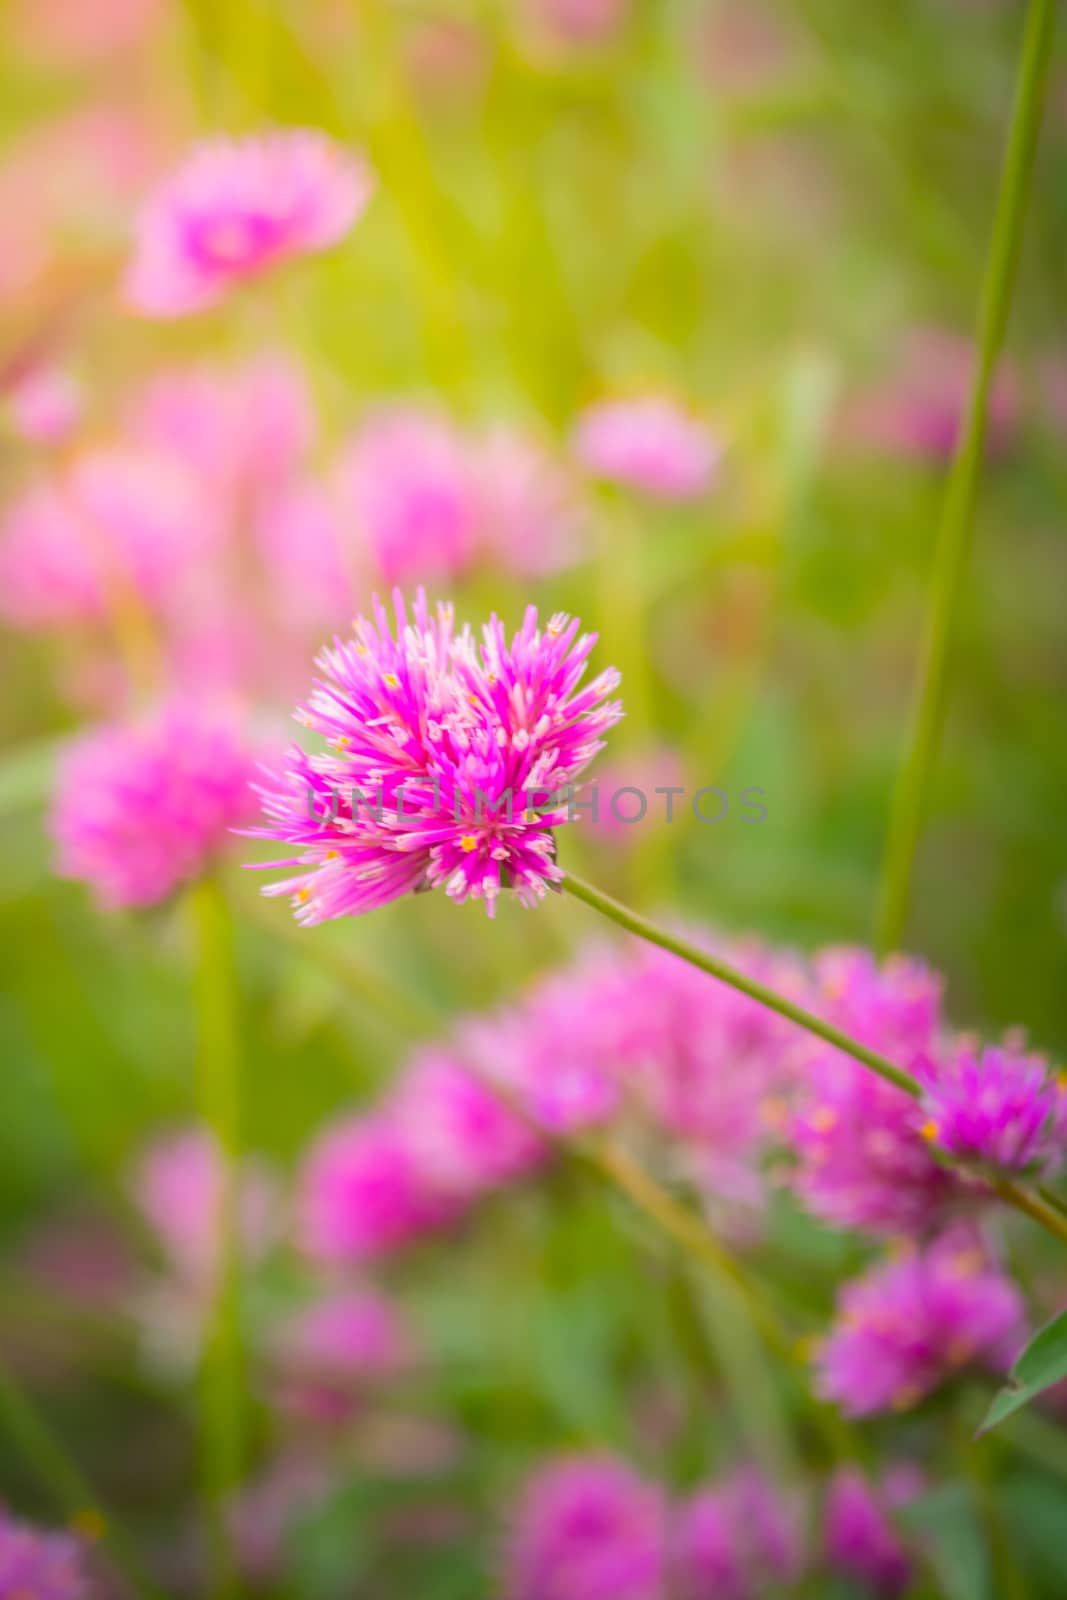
pixel 998 1108
pixel 530 510
pixel 737 1540
pixel 860 1157
pixel 237 208
pixel 407 479
pixel 333 1353
pixel 363 1193
pixel 650 444
pixel 177 1186
pixel 430 733
pixel 117 520
pixel 619 816
pixel 578 22
pixel 918 408
pixel 587 1528
pixel 85 35
pixel 45 404
pixel 141 808
pixel 46 1565
pixel 861 1542
pixel 299 537
pixel 465 1137
pixel 909 1324
pixel 263 1515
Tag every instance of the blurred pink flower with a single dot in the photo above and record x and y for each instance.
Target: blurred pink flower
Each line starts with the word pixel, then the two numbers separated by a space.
pixel 41 1563
pixel 299 537
pixel 330 1356
pixel 998 1107
pixel 430 732
pixel 465 1137
pixel 917 408
pixel 910 1323
pixel 648 443
pixel 735 1540
pixel 140 808
pixel 407 480
pixel 861 1542
pixel 117 518
pixel 62 35
pixel 577 22
pixel 237 208
pixel 177 1186
pixel 363 1193
pixel 530 507
pixel 265 1512
pixel 44 404
pixel 587 1528
pixel 646 771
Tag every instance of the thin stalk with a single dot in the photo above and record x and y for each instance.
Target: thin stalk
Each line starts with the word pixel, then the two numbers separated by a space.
pixel 715 967
pixel 62 1478
pixel 954 536
pixel 1010 1191
pixel 222 1399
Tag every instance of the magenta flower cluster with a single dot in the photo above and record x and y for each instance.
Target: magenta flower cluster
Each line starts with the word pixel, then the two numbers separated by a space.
pixel 41 1563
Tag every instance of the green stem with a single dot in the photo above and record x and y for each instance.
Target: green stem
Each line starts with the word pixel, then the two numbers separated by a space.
pixel 715 967
pixel 62 1478
pixel 1010 1191
pixel 222 1367
pixel 957 519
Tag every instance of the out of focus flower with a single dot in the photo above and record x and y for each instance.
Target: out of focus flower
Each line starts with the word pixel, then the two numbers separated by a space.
pixel 620 815
pixel 408 481
pixel 860 1157
pixel 743 46
pixel 237 208
pixel 117 521
pixel 299 537
pixel 650 444
pixel 364 1194
pixel 738 1540
pixel 58 34
pixel 577 22
pixel 998 1108
pixel 450 764
pixel 917 409
pixel 909 1324
pixel 332 1354
pixel 464 1135
pixel 177 1187
pixel 449 58
pixel 143 807
pixel 44 404
pixel 530 510
pixel 39 1563
pixel 264 1514
pixel 861 1542
pixel 587 1528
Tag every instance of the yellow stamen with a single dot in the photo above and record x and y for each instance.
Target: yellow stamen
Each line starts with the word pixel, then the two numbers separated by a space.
pixel 392 680
pixel 930 1130
pixel 468 843
pixel 823 1119
pixel 303 895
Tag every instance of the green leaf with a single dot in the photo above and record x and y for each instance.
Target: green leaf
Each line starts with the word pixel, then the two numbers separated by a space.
pixel 1042 1363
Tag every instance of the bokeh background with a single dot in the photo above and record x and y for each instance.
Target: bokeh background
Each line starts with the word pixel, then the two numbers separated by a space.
pixel 777 216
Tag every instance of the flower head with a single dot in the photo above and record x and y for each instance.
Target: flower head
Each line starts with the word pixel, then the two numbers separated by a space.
pixel 530 510
pixel 861 1542
pixel 332 1353
pixel 587 1528
pixel 650 444
pixel 463 1133
pixel 449 764
pixel 236 208
pixel 917 411
pixel 998 1108
pixel 46 1565
pixel 408 480
pixel 860 1157
pixel 908 1324
pixel 364 1193
pixel 737 1540
pixel 45 403
pixel 143 807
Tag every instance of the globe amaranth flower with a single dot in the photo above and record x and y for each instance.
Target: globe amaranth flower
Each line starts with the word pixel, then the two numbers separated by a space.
pixel 910 1323
pixel 141 808
pixel 999 1109
pixel 651 444
pixel 330 1355
pixel 861 1542
pixel 587 1528
pixel 449 762
pixel 531 514
pixel 859 1156
pixel 408 479
pixel 364 1193
pixel 40 1563
pixel 237 208
pixel 736 1540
